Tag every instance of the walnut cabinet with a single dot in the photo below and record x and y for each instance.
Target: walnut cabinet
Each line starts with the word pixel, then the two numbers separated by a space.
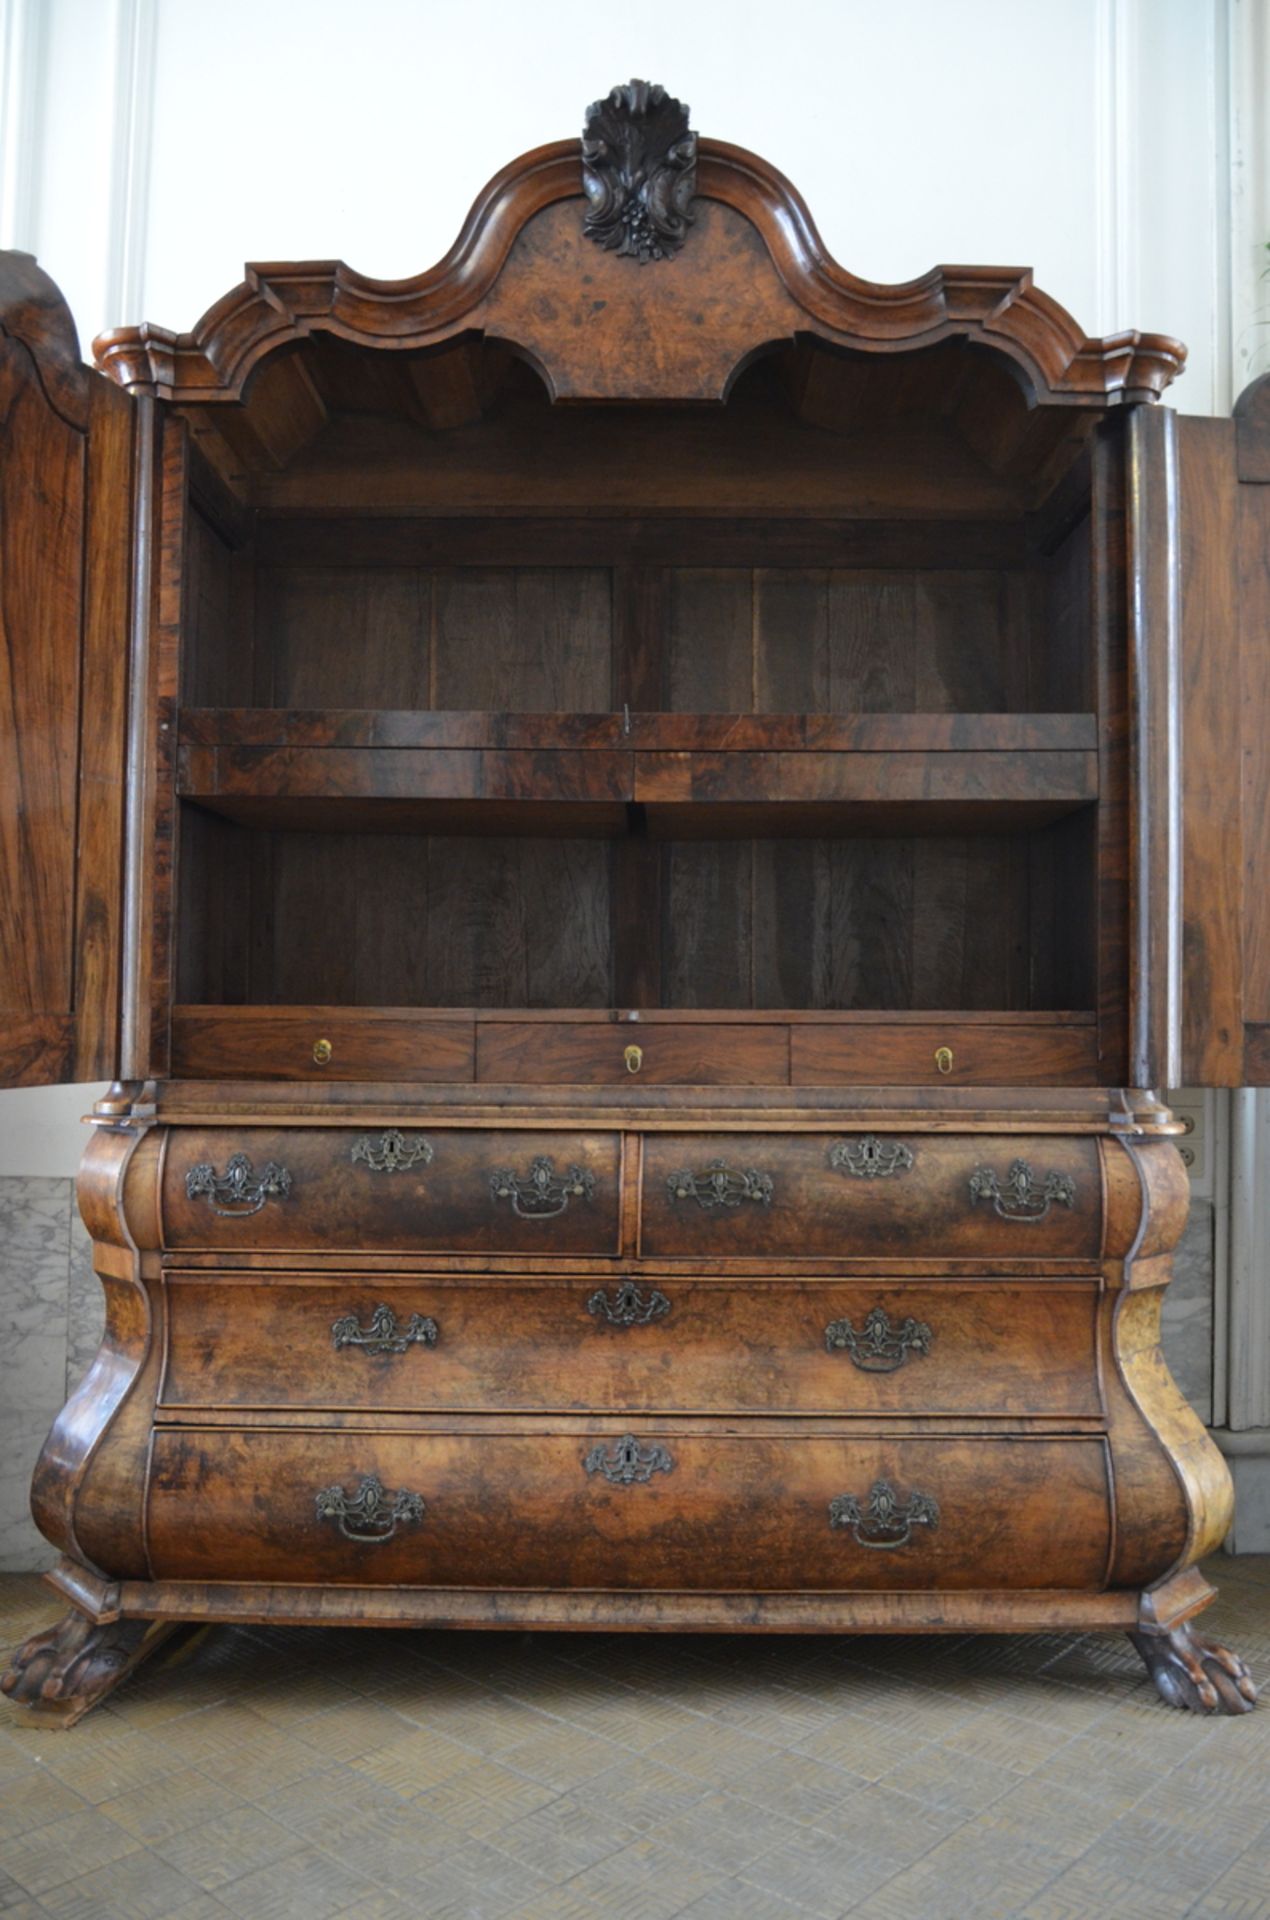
pixel 634 820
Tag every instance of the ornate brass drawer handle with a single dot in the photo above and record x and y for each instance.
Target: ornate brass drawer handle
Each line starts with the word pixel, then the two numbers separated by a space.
pixel 541 1193
pixel 721 1186
pixel 392 1152
pixel 372 1514
pixel 627 1463
pixel 869 1158
pixel 385 1334
pixel 1022 1197
pixel 242 1189
pixel 879 1346
pixel 628 1307
pixel 883 1521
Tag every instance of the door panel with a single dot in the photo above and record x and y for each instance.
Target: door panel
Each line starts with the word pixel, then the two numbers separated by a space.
pixel 1224 552
pixel 65 492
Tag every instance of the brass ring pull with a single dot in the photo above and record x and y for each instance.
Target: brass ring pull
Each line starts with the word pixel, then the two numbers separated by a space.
pixel 944 1059
pixel 322 1051
pixel 634 1058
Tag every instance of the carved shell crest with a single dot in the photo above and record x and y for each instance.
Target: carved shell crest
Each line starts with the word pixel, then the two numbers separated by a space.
pixel 639 171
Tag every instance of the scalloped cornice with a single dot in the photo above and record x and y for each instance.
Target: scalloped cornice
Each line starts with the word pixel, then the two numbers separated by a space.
pixel 997 306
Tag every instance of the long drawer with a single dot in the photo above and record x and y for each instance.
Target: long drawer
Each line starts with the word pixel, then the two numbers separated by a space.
pixel 892 1195
pixel 676 1343
pixel 649 1509
pixel 478 1190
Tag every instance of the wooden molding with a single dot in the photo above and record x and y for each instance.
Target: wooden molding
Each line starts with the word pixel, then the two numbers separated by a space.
pixel 277 305
pixel 34 314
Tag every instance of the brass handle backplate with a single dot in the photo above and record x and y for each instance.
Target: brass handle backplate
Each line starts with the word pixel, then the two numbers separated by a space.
pixel 879 1346
pixel 372 1514
pixel 541 1193
pixel 627 1305
pixel 1021 1195
pixel 721 1186
pixel 385 1334
pixel 868 1158
pixel 883 1521
pixel 627 1463
pixel 240 1188
pixel 393 1151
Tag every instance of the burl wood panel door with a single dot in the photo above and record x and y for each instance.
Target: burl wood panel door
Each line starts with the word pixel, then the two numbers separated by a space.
pixel 66 460
pixel 1224 565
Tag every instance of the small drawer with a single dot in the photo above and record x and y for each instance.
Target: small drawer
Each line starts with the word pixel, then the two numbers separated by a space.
pixel 648 1508
pixel 614 1053
pixel 425 1187
pixel 864 1194
pixel 320 1044
pixel 1024 1053
pixel 649 1343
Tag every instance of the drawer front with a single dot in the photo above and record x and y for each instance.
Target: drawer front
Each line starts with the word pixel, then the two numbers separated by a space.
pixel 1035 1053
pixel 851 1194
pixel 646 1510
pixel 467 1191
pixel 320 1043
pixel 620 1053
pixel 653 1343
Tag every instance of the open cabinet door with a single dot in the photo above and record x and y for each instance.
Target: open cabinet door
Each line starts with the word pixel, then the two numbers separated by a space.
pixel 1224 492
pixel 66 460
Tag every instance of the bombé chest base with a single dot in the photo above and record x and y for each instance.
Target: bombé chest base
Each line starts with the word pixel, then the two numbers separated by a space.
pixel 875 1369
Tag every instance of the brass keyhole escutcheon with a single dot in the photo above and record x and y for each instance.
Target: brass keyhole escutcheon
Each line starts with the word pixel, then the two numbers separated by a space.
pixel 634 1058
pixel 322 1051
pixel 944 1059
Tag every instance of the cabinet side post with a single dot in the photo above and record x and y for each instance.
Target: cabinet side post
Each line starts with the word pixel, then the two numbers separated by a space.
pixel 1155 906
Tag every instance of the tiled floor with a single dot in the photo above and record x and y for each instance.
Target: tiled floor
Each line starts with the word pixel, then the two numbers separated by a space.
pixel 271 1773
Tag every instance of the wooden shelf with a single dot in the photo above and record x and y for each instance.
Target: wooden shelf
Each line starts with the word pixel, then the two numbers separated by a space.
pixel 654 732
pixel 670 775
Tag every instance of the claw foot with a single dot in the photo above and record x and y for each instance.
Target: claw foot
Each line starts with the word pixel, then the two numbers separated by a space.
pixel 59 1675
pixel 1200 1675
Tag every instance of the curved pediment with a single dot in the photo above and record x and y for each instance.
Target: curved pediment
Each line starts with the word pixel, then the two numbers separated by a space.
pixel 744 266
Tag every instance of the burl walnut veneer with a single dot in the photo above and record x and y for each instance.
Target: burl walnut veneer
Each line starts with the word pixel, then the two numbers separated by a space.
pixel 631 938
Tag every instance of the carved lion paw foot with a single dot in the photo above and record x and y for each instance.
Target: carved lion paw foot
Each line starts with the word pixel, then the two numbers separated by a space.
pixel 1200 1675
pixel 60 1674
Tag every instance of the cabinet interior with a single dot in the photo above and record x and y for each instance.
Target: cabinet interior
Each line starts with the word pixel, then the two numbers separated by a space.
pixel 799 702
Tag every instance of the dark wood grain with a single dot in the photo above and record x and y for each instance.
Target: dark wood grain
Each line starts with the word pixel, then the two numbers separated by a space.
pixel 757 256
pixel 1254 685
pixel 42 527
pixel 446 1202
pixel 817 1208
pixel 676 1055
pixel 1212 813
pixel 526 1507
pixel 906 1056
pixel 538 1345
pixel 332 539
pixel 241 728
pixel 219 1043
pixel 1155 985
